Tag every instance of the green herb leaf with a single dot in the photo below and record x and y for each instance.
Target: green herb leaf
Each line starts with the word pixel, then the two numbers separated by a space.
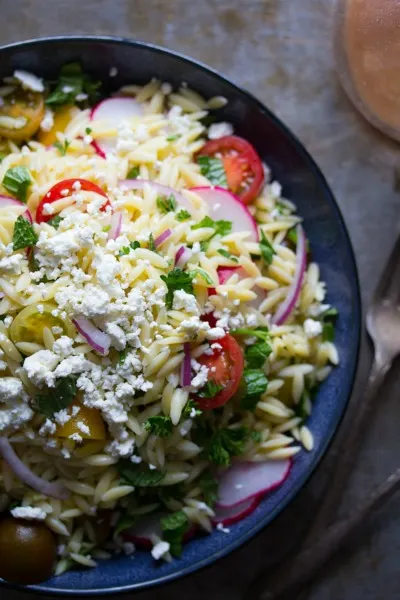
pixel 174 527
pixel 187 412
pixel 203 274
pixel 173 138
pixel 257 354
pixel 209 486
pixel 256 436
pixel 160 425
pixel 257 384
pixel 291 236
pixel 106 228
pixel 88 130
pixel 59 397
pixel 17 181
pixel 73 81
pixel 126 249
pixel 220 227
pixel 138 475
pixel 171 492
pixel 300 408
pixel 123 523
pixel 226 443
pixel 177 280
pixel 213 168
pixel 210 389
pixel 183 215
pixel 227 255
pixel 267 251
pixel 166 204
pixel 328 324
pixel 261 332
pixel 122 356
pixel 24 235
pixel 55 221
pixel 134 172
pixel 62 148
pixel 152 245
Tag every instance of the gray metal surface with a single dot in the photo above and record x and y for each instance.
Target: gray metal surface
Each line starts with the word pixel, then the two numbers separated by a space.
pixel 281 51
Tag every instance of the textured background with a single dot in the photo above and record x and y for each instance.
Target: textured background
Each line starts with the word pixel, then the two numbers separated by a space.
pixel 281 51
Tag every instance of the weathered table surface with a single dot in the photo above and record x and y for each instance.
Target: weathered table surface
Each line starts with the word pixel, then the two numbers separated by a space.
pixel 281 51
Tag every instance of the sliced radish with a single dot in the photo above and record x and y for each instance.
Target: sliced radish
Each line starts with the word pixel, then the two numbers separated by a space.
pixel 149 526
pixel 163 190
pixel 8 201
pixel 116 224
pixel 233 514
pixel 226 206
pixel 114 111
pixel 245 481
pixel 225 273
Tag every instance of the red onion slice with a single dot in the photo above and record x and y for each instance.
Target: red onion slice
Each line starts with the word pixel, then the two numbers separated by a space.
pixel 8 201
pixel 286 307
pixel 186 374
pixel 96 338
pixel 116 224
pixel 163 190
pixel 233 514
pixel 182 256
pixel 52 489
pixel 162 237
pixel 248 480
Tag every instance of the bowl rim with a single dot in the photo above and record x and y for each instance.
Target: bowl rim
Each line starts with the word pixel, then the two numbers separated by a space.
pixel 249 534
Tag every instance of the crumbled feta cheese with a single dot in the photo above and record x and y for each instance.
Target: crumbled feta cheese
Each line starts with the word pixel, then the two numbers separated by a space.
pixel 12 264
pixel 29 81
pixel 201 378
pixel 48 428
pixel 62 416
pixel 160 549
pixel 312 328
pixel 29 513
pixel 47 122
pixel 218 130
pixel 220 527
pixel 83 428
pixel 113 72
pixel 40 366
pixel 186 302
pixel 14 408
pixel 215 333
pixel 166 88
pixel 63 346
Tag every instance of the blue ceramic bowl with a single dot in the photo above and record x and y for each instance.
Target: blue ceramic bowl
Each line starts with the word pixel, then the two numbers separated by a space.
pixel 304 184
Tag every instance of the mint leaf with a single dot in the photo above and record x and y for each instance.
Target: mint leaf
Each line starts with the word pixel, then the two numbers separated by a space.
pixel 160 425
pixel 257 354
pixel 62 148
pixel 257 384
pixel 261 332
pixel 256 436
pixel 24 235
pixel 227 255
pixel 126 249
pixel 138 475
pixel 183 215
pixel 134 172
pixel 55 221
pixel 59 397
pixel 72 81
pixel 220 227
pixel 174 527
pixel 213 168
pixel 210 389
pixel 226 443
pixel 328 324
pixel 177 280
pixel 166 204
pixel 209 486
pixel 17 181
pixel 267 251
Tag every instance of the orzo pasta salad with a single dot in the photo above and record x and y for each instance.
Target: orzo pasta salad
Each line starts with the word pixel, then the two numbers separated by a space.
pixel 163 326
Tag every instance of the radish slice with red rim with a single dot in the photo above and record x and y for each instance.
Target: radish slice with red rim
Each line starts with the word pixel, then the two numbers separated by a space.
pixel 115 111
pixel 233 514
pixel 8 201
pixel 162 190
pixel 224 205
pixel 248 480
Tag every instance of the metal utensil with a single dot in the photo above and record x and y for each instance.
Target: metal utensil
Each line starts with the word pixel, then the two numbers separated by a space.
pixel 383 325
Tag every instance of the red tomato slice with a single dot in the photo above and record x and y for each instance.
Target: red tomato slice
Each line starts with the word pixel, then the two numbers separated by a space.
pixel 54 194
pixel 243 166
pixel 225 368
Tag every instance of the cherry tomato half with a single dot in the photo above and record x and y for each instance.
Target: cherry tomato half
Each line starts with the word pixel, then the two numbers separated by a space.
pixel 243 166
pixel 55 193
pixel 225 368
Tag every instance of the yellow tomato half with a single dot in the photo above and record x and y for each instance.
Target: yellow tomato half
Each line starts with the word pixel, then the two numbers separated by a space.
pixel 28 325
pixel 20 115
pixel 89 417
pixel 61 119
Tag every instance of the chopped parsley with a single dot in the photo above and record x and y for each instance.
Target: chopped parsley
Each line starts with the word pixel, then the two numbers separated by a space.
pixel 183 215
pixel 71 83
pixel 174 527
pixel 17 181
pixel 213 168
pixel 261 332
pixel 257 384
pixel 177 280
pixel 173 138
pixel 210 389
pixel 138 475
pixel 106 228
pixel 256 436
pixel 187 412
pixel 152 245
pixel 203 274
pixel 59 397
pixel 220 227
pixel 227 255
pixel 122 356
pixel 62 148
pixel 267 251
pixel 55 221
pixel 134 172
pixel 126 249
pixel 166 204
pixel 226 443
pixel 209 487
pixel 24 235
pixel 160 425
pixel 328 324
pixel 88 130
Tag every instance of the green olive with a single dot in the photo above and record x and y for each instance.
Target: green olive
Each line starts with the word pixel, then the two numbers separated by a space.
pixel 27 551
